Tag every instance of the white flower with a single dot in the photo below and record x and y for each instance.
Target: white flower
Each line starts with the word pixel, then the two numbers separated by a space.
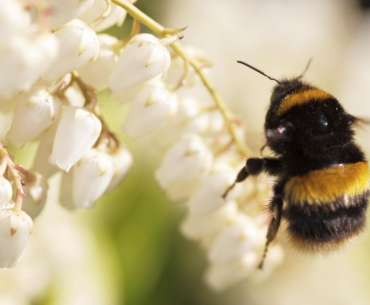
pixel 6 193
pixel 15 229
pixel 90 179
pixel 25 60
pixel 205 227
pixel 152 110
pixel 14 20
pixel 208 196
pixel 222 276
pixel 142 59
pixel 235 241
pixel 33 114
pixel 77 132
pixel 64 11
pixel 78 45
pixel 97 72
pixel 103 14
pixel 184 166
pixel 122 161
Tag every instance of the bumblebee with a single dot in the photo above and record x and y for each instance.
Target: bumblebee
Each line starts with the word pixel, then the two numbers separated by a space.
pixel 322 185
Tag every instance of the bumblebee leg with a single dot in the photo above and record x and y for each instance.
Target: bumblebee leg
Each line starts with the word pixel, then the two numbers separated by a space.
pixel 276 207
pixel 253 167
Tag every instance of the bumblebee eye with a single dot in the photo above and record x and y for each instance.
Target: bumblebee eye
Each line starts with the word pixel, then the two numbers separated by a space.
pixel 323 122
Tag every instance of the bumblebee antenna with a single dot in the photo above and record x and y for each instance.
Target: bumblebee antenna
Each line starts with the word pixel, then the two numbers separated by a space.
pixel 305 69
pixel 258 71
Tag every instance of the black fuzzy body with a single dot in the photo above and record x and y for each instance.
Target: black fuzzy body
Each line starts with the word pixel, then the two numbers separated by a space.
pixel 307 149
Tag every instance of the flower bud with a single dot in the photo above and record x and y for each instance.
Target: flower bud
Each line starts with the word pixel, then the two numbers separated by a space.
pixel 77 132
pixel 33 114
pixel 152 110
pixel 143 59
pixel 78 45
pixel 6 193
pixel 90 179
pixel 97 72
pixel 184 166
pixel 15 229
pixel 122 161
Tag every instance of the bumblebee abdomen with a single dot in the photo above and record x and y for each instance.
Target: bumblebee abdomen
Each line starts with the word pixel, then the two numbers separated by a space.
pixel 327 206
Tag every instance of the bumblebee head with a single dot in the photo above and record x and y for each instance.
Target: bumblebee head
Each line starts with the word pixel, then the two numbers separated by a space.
pixel 306 120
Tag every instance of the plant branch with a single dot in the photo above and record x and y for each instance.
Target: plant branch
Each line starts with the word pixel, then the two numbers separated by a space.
pixel 162 31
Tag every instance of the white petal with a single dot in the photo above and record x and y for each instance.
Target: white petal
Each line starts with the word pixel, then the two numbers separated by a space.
pixel 222 276
pixel 97 72
pixel 184 166
pixel 151 111
pixel 143 58
pixel 15 229
pixel 91 178
pixel 33 114
pixel 77 132
pixel 208 196
pixel 205 228
pixel 236 240
pixel 78 45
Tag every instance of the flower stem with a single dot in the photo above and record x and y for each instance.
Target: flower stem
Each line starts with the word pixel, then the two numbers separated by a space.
pixel 162 31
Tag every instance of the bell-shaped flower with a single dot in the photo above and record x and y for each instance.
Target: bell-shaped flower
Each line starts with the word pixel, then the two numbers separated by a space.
pixel 152 110
pixel 207 198
pixel 90 179
pixel 183 167
pixel 122 161
pixel 6 193
pixel 78 44
pixel 33 114
pixel 205 228
pixel 15 229
pixel 142 59
pixel 77 132
pixel 97 72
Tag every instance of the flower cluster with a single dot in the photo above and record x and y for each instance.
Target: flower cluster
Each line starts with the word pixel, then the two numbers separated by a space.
pixel 56 62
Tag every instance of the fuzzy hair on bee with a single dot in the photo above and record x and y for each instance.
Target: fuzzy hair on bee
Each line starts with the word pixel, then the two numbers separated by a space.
pixel 322 176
